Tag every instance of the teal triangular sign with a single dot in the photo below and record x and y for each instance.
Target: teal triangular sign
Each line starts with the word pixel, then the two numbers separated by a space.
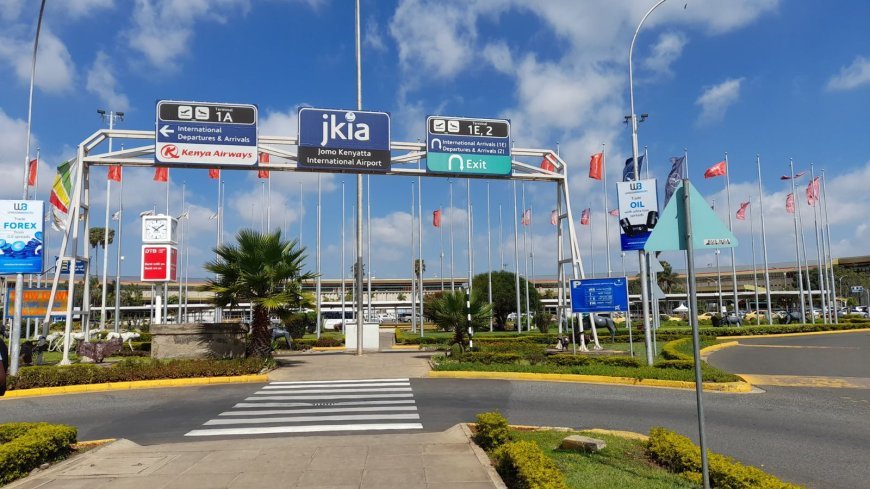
pixel 707 229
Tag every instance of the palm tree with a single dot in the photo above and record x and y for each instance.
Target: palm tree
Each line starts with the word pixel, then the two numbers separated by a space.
pixel 449 313
pixel 97 237
pixel 667 279
pixel 419 267
pixel 261 268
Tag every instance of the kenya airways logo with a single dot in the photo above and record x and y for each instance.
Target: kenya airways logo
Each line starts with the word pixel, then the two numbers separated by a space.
pixel 170 151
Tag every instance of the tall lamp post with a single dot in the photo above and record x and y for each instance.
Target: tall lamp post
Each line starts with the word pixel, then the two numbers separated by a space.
pixel 644 288
pixel 112 116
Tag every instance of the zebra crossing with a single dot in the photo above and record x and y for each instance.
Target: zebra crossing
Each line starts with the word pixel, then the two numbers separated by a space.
pixel 314 406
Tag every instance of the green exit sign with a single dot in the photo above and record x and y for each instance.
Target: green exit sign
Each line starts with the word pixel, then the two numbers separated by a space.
pixel 469 164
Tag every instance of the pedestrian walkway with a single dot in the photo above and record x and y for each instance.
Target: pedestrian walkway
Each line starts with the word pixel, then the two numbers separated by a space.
pixel 397 461
pixel 341 365
pixel 319 406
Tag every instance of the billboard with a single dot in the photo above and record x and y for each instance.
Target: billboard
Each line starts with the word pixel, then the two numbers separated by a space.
pixel 638 212
pixel 34 301
pixel 21 236
pixel 159 263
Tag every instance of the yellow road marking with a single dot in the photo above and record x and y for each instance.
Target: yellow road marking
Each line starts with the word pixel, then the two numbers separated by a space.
pixel 810 347
pixel 808 381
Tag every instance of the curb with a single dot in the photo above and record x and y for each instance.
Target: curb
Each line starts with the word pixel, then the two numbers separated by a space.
pixel 328 348
pixel 405 347
pixel 787 335
pixel 483 458
pixel 705 352
pixel 132 385
pixel 730 387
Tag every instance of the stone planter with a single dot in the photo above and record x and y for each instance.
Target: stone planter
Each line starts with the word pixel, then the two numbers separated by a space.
pixel 198 340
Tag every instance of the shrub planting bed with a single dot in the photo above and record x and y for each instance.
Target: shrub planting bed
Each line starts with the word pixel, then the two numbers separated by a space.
pixel 25 446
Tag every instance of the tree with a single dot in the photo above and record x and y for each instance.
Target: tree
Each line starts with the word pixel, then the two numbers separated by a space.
pixel 353 271
pixel 449 313
pixel 667 279
pixel 504 299
pixel 418 265
pixel 97 237
pixel 261 268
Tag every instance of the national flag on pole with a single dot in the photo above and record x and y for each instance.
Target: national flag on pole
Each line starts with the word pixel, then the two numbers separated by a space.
pixel 436 218
pixel 674 177
pixel 789 203
pixel 628 171
pixel 554 217
pixel 31 172
pixel 214 173
pixel 614 212
pixel 796 175
pixel 527 217
pixel 584 216
pixel 115 173
pixel 716 170
pixel 813 191
pixel 262 173
pixel 61 191
pixel 741 212
pixel 116 216
pixel 596 166
pixel 547 163
pixel 161 174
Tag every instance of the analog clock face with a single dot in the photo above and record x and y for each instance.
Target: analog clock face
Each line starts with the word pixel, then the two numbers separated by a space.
pixel 156 230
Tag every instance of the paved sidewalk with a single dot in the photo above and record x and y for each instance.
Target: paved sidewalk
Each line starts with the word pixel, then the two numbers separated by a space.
pixel 407 461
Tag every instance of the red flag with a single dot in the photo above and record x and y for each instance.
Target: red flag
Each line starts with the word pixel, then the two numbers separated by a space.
pixel 527 217
pixel 614 212
pixel 596 165
pixel 584 217
pixel 716 170
pixel 264 158
pixel 436 218
pixel 789 203
pixel 214 173
pixel 796 175
pixel 115 173
pixel 741 212
pixel 554 218
pixel 161 174
pixel 31 173
pixel 813 191
pixel 547 163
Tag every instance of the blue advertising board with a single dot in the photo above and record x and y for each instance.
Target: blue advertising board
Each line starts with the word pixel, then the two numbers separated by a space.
pixel 344 140
pixel 21 236
pixel 599 295
pixel 205 133
pixel 468 146
pixel 638 212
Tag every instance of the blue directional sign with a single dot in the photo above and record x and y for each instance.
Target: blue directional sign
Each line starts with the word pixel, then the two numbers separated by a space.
pixel 64 267
pixel 468 146
pixel 599 295
pixel 207 134
pixel 344 140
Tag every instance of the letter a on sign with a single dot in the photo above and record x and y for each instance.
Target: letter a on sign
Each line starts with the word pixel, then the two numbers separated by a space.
pixel 708 231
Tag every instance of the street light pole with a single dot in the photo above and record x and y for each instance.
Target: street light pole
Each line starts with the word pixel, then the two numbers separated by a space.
pixel 644 288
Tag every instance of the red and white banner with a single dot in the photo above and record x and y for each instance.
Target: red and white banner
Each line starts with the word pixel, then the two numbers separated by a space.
pixel 159 263
pixel 741 212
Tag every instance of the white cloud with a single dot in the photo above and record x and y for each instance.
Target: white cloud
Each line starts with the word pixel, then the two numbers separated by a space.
pixel 667 50
pixel 102 83
pixel 10 9
pixel 76 9
pixel 372 37
pixel 716 100
pixel 852 76
pixel 55 71
pixel 499 56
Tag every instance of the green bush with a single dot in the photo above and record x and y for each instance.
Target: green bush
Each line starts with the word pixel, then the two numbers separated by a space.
pixel 25 446
pixel 492 430
pixel 523 465
pixel 486 357
pixel 131 369
pixel 678 454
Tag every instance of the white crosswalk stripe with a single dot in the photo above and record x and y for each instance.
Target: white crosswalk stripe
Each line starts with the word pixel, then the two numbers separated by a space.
pixel 319 406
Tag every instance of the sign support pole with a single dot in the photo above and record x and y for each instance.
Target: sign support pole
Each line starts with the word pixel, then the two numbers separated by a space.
pixel 359 192
pixel 693 319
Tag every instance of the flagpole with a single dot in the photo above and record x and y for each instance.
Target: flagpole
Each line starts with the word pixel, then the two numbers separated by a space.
pixel 805 264
pixel 591 242
pixel 106 229
pixel 441 240
pixel 120 250
pixel 730 228
pixel 302 212
pixel 369 244
pixel 646 158
pixel 830 259
pixel 606 220
pixel 452 274
pixel 468 223
pixel 526 223
pixel 413 263
pixel 420 249
pixel 686 254
pixel 517 322
pixel 797 248
pixel 501 238
pixel 754 268
pixel 181 247
pixel 218 311
pixel 531 276
pixel 764 242
pixel 488 254
pixel 319 301
pixel 822 286
pixel 343 271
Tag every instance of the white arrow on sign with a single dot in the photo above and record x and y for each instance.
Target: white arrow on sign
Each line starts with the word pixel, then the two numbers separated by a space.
pixel 165 131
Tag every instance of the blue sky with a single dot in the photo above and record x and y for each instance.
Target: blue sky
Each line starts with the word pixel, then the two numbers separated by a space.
pixel 778 78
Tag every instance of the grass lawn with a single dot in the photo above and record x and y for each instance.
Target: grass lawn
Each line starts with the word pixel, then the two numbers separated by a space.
pixel 623 463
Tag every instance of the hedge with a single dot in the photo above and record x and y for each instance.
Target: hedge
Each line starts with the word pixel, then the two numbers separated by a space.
pixel 678 454
pixel 323 341
pixel 492 430
pixel 25 446
pixel 131 369
pixel 523 465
